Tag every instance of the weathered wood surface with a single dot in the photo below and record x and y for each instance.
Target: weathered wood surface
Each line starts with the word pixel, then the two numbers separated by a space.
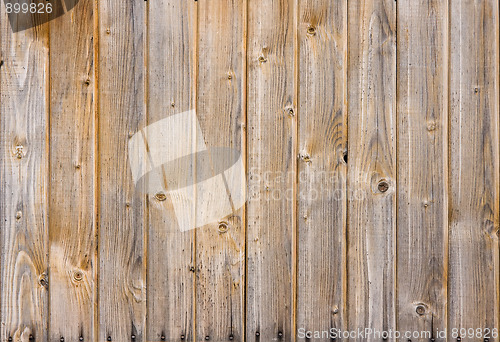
pixel 322 200
pixel 371 175
pixel 272 148
pixel 121 211
pixel 171 58
pixel 474 194
pixel 422 169
pixel 72 174
pixel 370 131
pixel 24 181
pixel 220 106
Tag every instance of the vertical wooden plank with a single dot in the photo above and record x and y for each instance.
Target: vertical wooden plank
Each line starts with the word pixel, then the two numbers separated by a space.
pixel 474 167
pixel 71 200
pixel 220 251
pixel 372 165
pixel 322 170
pixel 171 81
pixel 23 181
pixel 272 162
pixel 121 209
pixel 422 183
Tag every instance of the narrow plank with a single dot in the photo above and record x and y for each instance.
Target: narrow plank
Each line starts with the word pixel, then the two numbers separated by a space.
pixel 220 250
pixel 272 162
pixel 322 201
pixel 422 184
pixel 474 167
pixel 171 82
pixel 371 165
pixel 121 209
pixel 72 157
pixel 24 176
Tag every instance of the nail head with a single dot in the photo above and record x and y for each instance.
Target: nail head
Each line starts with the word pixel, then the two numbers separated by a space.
pixel 383 186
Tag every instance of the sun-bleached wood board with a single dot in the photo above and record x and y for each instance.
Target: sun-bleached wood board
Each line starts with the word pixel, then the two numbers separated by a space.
pixel 474 194
pixel 220 249
pixel 371 176
pixel 322 198
pixel 72 168
pixel 24 108
pixel 272 163
pixel 121 209
pixel 422 183
pixel 171 51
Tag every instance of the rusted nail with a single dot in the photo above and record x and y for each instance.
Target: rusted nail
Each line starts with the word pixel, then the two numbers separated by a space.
pixel 127 204
pixel 476 90
pixel 172 104
pixel 19 215
pixel 229 76
pixel 77 276
pixel 262 59
pixel 223 227
pixel 87 81
pixel 160 196
pixel 383 186
pixel 108 31
pixel 420 310
pixel 280 334
pixel 311 30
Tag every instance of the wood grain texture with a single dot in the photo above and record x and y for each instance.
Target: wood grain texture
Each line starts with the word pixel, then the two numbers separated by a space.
pixel 220 256
pixel 371 165
pixel 24 109
pixel 422 183
pixel 72 166
pixel 121 209
pixel 322 201
pixel 474 166
pixel 171 83
pixel 272 165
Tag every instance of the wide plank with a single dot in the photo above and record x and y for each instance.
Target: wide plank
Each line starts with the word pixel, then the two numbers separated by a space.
pixel 473 280
pixel 72 174
pixel 24 161
pixel 322 191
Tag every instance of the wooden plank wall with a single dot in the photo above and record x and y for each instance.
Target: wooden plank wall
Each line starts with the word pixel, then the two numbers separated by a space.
pixel 370 132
